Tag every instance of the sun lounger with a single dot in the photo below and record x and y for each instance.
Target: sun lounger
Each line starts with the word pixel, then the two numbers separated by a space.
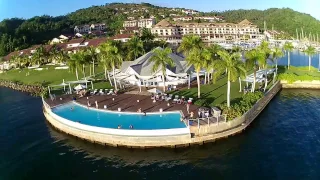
pixel 110 92
pixel 101 92
pixel 95 92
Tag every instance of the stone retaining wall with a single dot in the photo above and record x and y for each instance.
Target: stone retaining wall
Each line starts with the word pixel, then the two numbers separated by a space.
pixel 32 89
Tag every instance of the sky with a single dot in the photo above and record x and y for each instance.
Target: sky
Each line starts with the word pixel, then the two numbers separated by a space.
pixel 30 8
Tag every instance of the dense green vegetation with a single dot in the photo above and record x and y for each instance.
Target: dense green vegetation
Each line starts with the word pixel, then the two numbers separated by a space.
pixel 285 19
pixel 18 34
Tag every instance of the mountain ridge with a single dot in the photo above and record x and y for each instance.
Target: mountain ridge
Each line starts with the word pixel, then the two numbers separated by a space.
pixel 16 33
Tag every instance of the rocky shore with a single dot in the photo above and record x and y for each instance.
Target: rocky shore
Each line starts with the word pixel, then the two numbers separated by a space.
pixel 33 90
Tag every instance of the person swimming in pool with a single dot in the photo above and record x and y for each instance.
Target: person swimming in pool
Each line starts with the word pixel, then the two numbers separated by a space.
pixel 131 127
pixel 71 108
pixel 119 126
pixel 145 114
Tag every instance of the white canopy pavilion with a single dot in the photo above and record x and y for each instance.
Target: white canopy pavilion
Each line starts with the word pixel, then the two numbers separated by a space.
pixel 261 76
pixel 140 71
pixel 68 83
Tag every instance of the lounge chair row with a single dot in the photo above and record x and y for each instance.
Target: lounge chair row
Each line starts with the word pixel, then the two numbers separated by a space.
pixel 102 92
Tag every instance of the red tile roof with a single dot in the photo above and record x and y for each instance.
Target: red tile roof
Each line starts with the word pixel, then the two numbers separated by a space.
pixel 122 36
pixel 96 42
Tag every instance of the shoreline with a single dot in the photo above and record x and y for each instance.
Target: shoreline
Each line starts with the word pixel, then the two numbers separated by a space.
pixel 205 134
pixel 33 90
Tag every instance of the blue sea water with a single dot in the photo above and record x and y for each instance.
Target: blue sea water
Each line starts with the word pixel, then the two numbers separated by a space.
pixel 298 58
pixel 282 143
pixel 93 117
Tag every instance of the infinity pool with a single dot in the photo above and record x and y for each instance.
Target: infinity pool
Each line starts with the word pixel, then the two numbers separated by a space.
pixel 94 117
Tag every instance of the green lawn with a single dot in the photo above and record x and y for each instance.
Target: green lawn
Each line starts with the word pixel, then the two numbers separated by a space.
pixel 298 74
pixel 50 76
pixel 303 70
pixel 215 94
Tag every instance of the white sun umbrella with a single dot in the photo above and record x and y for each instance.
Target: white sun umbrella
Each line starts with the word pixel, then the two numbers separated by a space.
pixel 79 87
pixel 154 91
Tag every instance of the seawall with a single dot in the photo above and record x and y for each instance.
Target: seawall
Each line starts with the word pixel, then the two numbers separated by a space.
pixel 31 89
pixel 204 134
pixel 222 129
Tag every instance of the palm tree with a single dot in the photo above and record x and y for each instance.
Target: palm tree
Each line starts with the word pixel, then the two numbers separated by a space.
pixel 111 57
pixel 288 47
pixel 236 49
pixel 310 51
pixel 255 58
pixel 196 58
pixel 189 43
pixel 14 59
pixel 264 47
pixel 102 57
pixel 85 59
pixel 93 53
pixel 234 67
pixel 276 53
pixel 213 49
pixel 75 62
pixel 135 48
pixel 61 56
pixel 54 52
pixel 161 60
pixel 39 55
pixel 146 35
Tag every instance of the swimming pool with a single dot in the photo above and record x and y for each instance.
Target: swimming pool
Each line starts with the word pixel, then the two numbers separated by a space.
pixel 105 119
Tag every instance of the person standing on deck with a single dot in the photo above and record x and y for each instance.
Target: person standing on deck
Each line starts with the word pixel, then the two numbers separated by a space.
pixel 97 106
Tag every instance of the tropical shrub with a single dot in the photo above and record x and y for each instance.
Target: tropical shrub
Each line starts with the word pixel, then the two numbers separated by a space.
pixel 238 109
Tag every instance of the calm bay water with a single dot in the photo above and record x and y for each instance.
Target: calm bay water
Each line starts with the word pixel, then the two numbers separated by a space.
pixel 298 58
pixel 282 143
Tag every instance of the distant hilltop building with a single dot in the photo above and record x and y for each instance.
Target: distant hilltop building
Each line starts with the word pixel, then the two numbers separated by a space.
pixel 209 18
pixel 141 23
pixel 209 32
pixel 182 18
pixel 89 28
pixel 190 12
pixel 203 18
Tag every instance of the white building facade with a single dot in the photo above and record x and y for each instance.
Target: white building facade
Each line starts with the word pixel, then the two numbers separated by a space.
pixel 141 23
pixel 209 32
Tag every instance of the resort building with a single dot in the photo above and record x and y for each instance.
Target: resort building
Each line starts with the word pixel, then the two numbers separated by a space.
pixel 141 23
pixel 190 12
pixel 139 72
pixel 209 32
pixel 130 30
pixel 5 66
pixel 61 39
pixel 167 31
pixel 88 28
pixel 209 18
pixel 122 37
pixel 182 18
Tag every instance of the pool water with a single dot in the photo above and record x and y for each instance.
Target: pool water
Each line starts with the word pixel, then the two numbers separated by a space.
pixel 104 119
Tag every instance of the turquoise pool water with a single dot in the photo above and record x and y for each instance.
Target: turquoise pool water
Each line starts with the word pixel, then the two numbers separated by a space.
pixel 104 119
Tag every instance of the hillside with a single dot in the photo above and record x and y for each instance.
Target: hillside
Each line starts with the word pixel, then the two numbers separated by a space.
pixel 285 19
pixel 21 33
